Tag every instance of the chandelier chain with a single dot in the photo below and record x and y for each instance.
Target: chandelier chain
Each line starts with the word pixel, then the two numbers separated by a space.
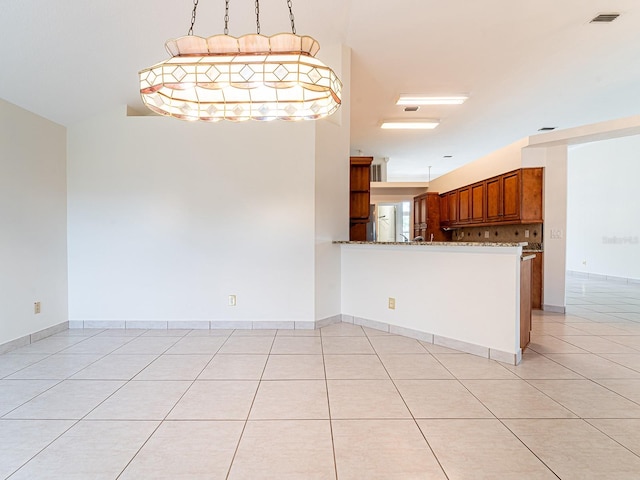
pixel 293 23
pixel 257 16
pixel 226 17
pixel 193 16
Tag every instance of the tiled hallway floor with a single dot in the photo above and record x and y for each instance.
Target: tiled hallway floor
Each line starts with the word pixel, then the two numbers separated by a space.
pixel 344 402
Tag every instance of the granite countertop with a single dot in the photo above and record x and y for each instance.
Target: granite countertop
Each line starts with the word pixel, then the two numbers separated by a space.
pixel 438 244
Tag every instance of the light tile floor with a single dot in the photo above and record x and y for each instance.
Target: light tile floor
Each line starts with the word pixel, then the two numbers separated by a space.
pixel 344 402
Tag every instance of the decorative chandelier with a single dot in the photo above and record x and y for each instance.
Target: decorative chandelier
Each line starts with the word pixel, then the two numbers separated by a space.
pixel 250 77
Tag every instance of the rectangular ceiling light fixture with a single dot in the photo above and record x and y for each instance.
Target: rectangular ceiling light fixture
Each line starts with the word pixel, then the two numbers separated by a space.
pixel 407 99
pixel 423 124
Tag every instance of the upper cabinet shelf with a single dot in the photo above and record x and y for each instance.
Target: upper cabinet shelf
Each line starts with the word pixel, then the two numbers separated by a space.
pixel 511 198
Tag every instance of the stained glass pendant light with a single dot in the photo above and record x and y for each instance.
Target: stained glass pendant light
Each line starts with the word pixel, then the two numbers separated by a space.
pixel 250 77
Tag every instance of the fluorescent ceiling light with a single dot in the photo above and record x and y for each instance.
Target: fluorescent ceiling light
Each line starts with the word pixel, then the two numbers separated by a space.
pixel 406 99
pixel 424 124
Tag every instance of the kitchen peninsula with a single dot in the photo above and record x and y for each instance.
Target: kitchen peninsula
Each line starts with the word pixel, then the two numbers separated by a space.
pixel 462 295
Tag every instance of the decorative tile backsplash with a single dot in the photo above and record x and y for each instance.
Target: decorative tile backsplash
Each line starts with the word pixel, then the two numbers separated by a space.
pixel 501 233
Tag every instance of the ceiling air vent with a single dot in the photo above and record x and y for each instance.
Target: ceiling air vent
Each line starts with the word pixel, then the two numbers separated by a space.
pixel 605 18
pixel 411 109
pixel 546 129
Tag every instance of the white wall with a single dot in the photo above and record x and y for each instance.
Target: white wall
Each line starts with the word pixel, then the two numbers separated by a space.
pixel 603 209
pixel 469 294
pixel 501 161
pixel 167 218
pixel 332 192
pixel 33 248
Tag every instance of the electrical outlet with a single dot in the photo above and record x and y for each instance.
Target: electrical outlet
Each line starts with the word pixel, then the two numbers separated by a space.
pixel 36 307
pixel 526 234
pixel 486 234
pixel 392 303
pixel 232 301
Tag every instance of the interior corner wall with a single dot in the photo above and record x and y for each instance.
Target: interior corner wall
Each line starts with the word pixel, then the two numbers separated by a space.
pixel 603 227
pixel 33 242
pixel 332 194
pixel 555 228
pixel 168 218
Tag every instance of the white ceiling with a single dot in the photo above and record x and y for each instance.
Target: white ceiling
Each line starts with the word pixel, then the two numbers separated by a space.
pixel 525 64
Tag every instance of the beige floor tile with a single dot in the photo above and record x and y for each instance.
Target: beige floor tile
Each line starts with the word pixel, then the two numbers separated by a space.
pixel 115 367
pixel 97 344
pixel 290 399
pixel 144 345
pixel 627 388
pixel 284 450
pixel 294 367
pixel 473 367
pixel 55 367
pixel 22 439
pixel 352 399
pixel 595 328
pixel 515 399
pixel 396 344
pixel 90 449
pixel 481 450
pixel 373 332
pixel 303 332
pixel 574 449
pixel 164 332
pixel 234 367
pixel 593 366
pixel 209 333
pixel 587 399
pixel 196 346
pixel 384 450
pixel 175 367
pixel 548 344
pixel 625 432
pixel 414 367
pixel 141 400
pixel 120 332
pixel 297 345
pixel 629 360
pixel 189 450
pixel 346 345
pixel 342 330
pixel 216 400
pixel 14 393
pixel 552 328
pixel 48 345
pixel 70 399
pixel 356 367
pixel 595 344
pixel 147 345
pixel 632 341
pixel 433 348
pixel 259 344
pixel 258 332
pixel 12 363
pixel 536 366
pixel 440 399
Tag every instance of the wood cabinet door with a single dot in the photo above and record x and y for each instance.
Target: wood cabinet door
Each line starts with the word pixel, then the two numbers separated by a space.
pixel 424 211
pixel 416 213
pixel 493 199
pixel 464 205
pixel 359 206
pixel 477 203
pixel 511 196
pixel 444 210
pixel 452 200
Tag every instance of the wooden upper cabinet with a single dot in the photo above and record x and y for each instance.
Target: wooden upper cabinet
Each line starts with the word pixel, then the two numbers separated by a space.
pixel 444 210
pixel 359 179
pixel 477 202
pixel 532 195
pixel 452 200
pixel 464 205
pixel 511 196
pixel 427 219
pixel 493 188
